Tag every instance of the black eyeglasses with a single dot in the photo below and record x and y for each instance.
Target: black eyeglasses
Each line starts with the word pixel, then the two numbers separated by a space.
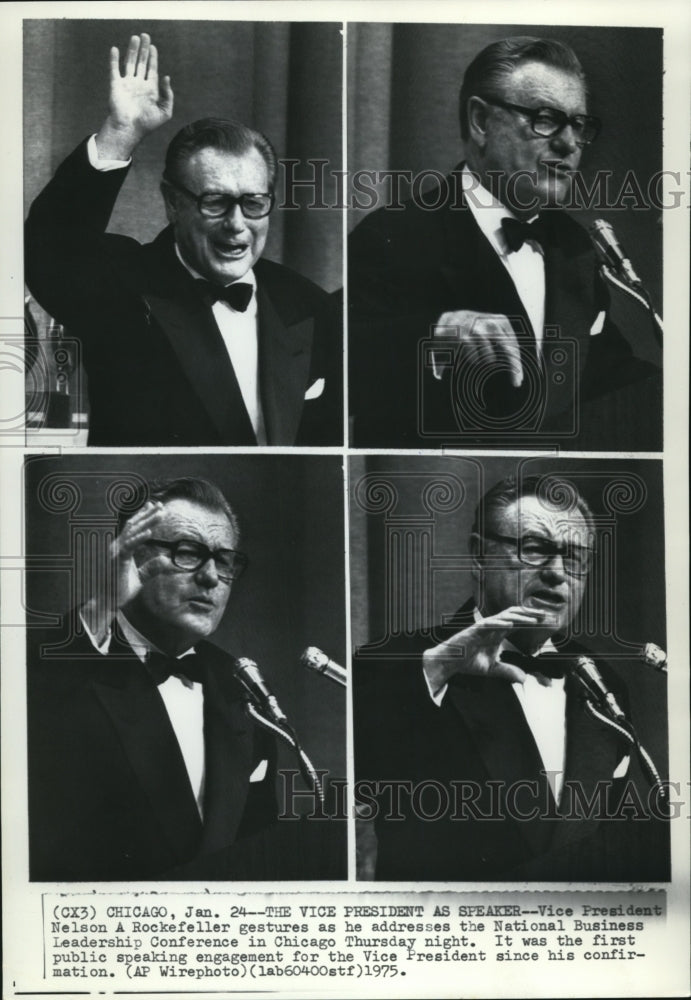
pixel 533 550
pixel 191 555
pixel 215 204
pixel 547 122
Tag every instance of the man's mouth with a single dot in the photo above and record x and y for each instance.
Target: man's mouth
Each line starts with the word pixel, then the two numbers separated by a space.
pixel 202 601
pixel 557 168
pixel 231 251
pixel 547 599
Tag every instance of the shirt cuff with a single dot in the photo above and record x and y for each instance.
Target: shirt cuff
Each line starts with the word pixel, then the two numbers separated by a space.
pixel 101 640
pixel 103 165
pixel 437 695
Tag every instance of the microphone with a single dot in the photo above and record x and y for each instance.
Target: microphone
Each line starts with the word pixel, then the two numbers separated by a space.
pixel 590 677
pixel 654 657
pixel 612 252
pixel 318 661
pixel 249 675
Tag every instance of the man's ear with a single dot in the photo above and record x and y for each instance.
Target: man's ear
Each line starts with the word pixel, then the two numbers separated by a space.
pixel 477 120
pixel 170 201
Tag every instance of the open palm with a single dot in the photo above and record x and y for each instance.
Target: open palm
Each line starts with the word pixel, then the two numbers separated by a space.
pixel 137 102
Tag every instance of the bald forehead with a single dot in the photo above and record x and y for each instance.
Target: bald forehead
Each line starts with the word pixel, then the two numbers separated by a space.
pixel 186 519
pixel 538 85
pixel 532 515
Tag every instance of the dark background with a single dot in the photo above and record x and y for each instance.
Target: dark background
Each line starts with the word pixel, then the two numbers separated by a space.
pixel 620 618
pixel 291 595
pixel 403 84
pixel 283 79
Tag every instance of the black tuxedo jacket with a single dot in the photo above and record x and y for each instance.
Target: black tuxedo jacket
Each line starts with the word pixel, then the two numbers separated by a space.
pixel 158 371
pixel 408 266
pixel 109 795
pixel 471 771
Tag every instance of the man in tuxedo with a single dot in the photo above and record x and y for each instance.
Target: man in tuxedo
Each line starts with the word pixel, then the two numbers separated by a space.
pixel 476 756
pixel 141 757
pixel 477 314
pixel 193 339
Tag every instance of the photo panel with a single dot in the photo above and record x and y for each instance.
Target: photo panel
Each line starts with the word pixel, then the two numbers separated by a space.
pixel 93 707
pixel 550 766
pixel 464 332
pixel 126 344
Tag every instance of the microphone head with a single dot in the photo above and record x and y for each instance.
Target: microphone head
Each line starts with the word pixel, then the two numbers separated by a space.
pixel 314 659
pixel 654 656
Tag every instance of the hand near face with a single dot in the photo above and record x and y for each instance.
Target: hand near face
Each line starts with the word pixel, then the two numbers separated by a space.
pixel 121 570
pixel 475 650
pixel 137 104
pixel 486 339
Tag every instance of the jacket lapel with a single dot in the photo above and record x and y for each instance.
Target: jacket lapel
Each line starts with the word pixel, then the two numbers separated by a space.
pixel 190 328
pixel 502 737
pixel 284 365
pixel 137 713
pixel 592 754
pixel 228 744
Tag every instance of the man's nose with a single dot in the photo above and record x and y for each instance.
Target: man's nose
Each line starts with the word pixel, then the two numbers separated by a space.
pixel 234 220
pixel 553 569
pixel 207 573
pixel 564 141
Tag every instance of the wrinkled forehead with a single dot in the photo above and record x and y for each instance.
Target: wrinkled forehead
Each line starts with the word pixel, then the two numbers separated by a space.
pixel 532 515
pixel 210 169
pixel 185 519
pixel 539 85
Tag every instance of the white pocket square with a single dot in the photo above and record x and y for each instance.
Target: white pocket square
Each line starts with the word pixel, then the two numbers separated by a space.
pixel 316 389
pixel 598 324
pixel 259 772
pixel 622 767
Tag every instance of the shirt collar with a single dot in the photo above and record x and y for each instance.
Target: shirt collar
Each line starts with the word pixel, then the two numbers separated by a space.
pixel 141 645
pixel 487 210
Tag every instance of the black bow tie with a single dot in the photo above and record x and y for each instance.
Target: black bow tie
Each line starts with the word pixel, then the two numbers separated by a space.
pixel 548 665
pixel 238 295
pixel 162 667
pixel 516 233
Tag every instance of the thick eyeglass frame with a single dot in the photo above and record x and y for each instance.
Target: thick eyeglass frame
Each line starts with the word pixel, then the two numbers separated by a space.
pixel 204 553
pixel 577 559
pixel 229 200
pixel 579 123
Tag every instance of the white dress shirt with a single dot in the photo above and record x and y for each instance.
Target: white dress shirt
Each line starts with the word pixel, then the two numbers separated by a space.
pixel 525 266
pixel 183 700
pixel 239 330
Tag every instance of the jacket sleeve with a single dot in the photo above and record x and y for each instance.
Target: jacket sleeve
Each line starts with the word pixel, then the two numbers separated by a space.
pixel 67 254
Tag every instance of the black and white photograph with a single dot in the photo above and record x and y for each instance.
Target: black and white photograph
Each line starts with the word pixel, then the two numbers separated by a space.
pixel 164 244
pixel 495 169
pixel 163 598
pixel 344 489
pixel 509 702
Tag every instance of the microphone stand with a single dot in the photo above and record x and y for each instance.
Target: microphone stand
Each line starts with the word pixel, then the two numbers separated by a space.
pixel 625 729
pixel 289 736
pixel 640 294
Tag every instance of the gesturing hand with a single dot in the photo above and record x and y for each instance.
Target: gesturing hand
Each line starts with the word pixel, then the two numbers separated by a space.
pixel 121 579
pixel 137 105
pixel 487 339
pixel 475 650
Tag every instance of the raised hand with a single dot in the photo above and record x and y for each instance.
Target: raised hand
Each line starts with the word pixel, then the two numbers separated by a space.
pixel 138 102
pixel 122 579
pixel 475 650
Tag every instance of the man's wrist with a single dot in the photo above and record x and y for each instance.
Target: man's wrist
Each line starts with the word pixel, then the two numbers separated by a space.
pixel 116 142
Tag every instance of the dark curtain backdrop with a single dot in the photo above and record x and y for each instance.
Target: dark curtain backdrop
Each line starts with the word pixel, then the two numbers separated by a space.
pixel 291 595
pixel 410 513
pixel 281 78
pixel 403 83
